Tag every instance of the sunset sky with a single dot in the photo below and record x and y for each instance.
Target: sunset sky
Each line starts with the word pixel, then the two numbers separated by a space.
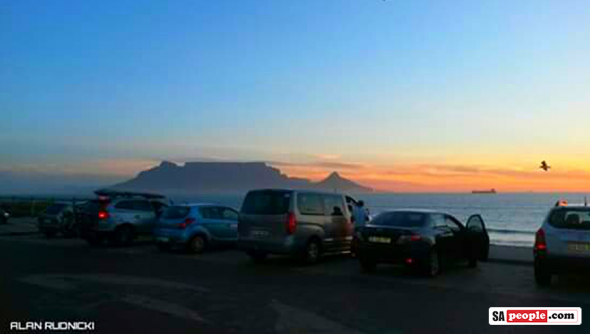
pixel 398 95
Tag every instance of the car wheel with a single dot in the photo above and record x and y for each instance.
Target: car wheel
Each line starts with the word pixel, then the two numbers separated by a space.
pixel 432 266
pixel 312 253
pixel 197 244
pixel 94 240
pixel 163 247
pixel 257 257
pixel 367 265
pixel 472 262
pixel 123 236
pixel 542 275
pixel 72 231
pixel 486 254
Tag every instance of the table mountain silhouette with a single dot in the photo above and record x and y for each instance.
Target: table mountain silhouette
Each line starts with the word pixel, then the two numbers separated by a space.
pixel 199 177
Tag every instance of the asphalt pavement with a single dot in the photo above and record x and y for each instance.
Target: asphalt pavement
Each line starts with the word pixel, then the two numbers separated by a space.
pixel 140 289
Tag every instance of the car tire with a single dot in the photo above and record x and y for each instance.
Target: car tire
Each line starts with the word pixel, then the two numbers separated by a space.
pixel 472 262
pixel 94 240
pixel 197 244
pixel 72 232
pixel 257 257
pixel 367 265
pixel 163 247
pixel 313 252
pixel 486 254
pixel 432 266
pixel 123 236
pixel 542 274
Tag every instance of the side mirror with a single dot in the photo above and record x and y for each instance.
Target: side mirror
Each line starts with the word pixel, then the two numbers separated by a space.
pixel 361 203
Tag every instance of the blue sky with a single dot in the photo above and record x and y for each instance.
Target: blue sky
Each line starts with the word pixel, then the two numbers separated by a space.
pixel 378 83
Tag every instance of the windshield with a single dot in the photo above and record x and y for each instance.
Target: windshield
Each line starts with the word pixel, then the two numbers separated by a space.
pixel 574 219
pixel 400 219
pixel 267 203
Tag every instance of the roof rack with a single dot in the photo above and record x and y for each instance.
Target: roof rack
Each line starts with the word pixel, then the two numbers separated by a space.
pixel 117 193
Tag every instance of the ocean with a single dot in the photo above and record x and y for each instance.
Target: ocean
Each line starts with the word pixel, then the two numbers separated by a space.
pixel 511 219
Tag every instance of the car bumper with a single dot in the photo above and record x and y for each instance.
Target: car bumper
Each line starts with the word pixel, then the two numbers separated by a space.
pixel 171 237
pixel 287 247
pixel 564 264
pixel 393 254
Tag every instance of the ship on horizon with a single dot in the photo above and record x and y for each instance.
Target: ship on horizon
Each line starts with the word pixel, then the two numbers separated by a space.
pixel 490 191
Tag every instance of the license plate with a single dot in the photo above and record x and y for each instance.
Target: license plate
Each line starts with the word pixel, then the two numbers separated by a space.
pixel 380 240
pixel 162 239
pixel 578 247
pixel 260 234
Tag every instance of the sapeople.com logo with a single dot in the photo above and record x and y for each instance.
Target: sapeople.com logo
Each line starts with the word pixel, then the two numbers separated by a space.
pixel 536 316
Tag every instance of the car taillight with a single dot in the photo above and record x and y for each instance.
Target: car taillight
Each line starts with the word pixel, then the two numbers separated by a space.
pixel 186 223
pixel 291 223
pixel 540 242
pixel 409 238
pixel 103 215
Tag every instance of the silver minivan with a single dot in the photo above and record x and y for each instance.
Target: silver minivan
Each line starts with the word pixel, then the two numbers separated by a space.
pixel 302 224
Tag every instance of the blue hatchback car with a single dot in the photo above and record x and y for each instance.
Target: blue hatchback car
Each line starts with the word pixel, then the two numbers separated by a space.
pixel 196 227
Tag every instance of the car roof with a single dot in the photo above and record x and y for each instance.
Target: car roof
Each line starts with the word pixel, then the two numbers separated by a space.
pixel 196 205
pixel 426 211
pixel 311 191
pixel 127 194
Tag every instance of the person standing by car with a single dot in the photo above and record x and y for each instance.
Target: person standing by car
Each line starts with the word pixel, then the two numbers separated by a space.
pixel 358 211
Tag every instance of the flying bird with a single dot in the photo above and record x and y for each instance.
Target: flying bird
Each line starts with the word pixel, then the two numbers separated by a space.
pixel 544 166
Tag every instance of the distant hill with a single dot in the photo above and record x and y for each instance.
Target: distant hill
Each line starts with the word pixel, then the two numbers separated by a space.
pixel 221 177
pixel 337 182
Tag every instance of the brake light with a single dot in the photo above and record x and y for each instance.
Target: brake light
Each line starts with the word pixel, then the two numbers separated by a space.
pixel 409 238
pixel 540 242
pixel 103 215
pixel 187 222
pixel 291 223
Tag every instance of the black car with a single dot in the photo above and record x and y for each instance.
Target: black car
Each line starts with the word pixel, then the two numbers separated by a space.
pixel 421 239
pixel 4 216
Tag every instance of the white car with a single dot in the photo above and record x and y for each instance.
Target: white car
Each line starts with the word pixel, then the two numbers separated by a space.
pixel 562 244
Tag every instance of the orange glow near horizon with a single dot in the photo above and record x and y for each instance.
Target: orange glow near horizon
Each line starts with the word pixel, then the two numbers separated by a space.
pixel 452 178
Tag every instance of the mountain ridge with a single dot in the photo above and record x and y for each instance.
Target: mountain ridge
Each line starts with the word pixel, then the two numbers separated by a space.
pixel 220 177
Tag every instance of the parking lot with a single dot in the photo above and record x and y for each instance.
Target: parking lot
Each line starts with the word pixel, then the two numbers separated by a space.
pixel 139 288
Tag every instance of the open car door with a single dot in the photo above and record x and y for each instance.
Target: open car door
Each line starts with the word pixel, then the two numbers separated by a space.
pixel 479 237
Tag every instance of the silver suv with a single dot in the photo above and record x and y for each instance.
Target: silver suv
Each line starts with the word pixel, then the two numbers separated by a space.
pixel 120 217
pixel 562 244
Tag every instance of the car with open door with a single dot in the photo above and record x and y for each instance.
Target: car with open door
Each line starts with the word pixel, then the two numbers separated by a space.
pixel 421 239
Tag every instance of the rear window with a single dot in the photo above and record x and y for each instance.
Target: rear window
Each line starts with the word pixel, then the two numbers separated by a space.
pixel 55 209
pixel 400 219
pixel 267 203
pixel 176 212
pixel 574 219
